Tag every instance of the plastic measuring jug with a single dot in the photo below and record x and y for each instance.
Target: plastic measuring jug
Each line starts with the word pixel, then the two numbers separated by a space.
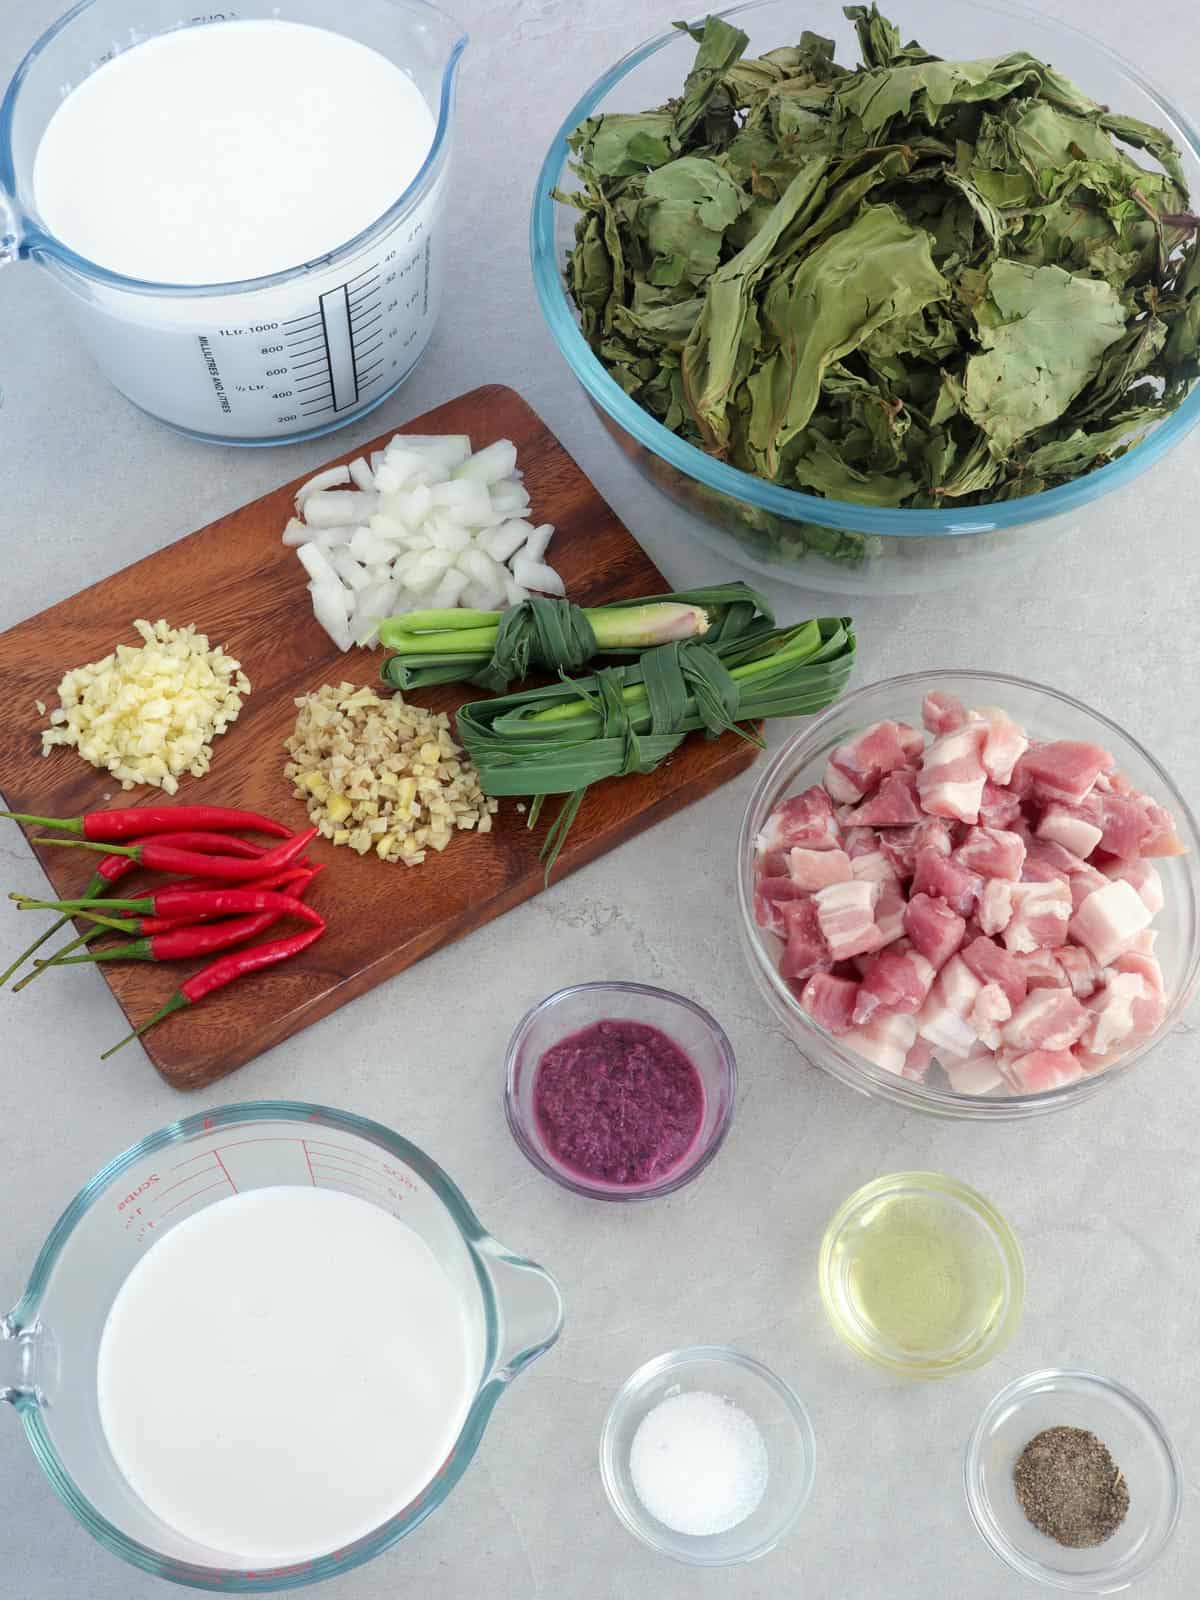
pixel 49 1342
pixel 288 356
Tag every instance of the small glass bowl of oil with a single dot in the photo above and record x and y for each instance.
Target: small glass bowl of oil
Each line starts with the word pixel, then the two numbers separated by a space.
pixel 921 1275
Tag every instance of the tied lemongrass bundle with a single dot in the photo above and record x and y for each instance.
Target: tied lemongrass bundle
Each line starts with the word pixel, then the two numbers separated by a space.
pixel 624 719
pixel 555 636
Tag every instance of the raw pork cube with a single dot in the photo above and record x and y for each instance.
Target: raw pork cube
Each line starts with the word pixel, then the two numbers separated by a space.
pixel 897 981
pixel 991 964
pixel 854 769
pixel 995 906
pixel 1125 826
pixel 943 1018
pixel 873 867
pixel 830 1001
pixel 886 1040
pixel 934 929
pixel 814 869
pixel 1109 920
pixel 1076 828
pixel 1083 883
pixel 806 951
pixel 1144 877
pixel 991 1009
pixel 951 777
pixel 1163 839
pixel 998 808
pixel 1041 912
pixel 1042 969
pixel 846 915
pixel 1140 958
pixel 918 1060
pixel 1045 860
pixel 1082 972
pixel 1112 1019
pixel 889 911
pixel 893 805
pixel 992 852
pixel 1047 1019
pixel 805 819
pixel 899 845
pixel 942 713
pixel 939 875
pixel 860 841
pixel 1039 1070
pixel 1065 770
pixel 977 1075
pixel 1004 744
pixel 769 897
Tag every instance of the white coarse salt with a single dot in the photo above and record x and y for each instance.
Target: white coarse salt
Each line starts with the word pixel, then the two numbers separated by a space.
pixel 698 1463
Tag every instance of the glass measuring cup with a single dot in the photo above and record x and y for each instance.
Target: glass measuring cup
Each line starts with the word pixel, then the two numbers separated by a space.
pixel 49 1341
pixel 283 357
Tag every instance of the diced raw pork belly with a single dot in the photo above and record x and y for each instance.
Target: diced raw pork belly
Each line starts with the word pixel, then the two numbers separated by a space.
pixel 1077 828
pixel 886 1040
pixel 1082 972
pixel 1041 913
pixel 1042 969
pixel 829 1001
pixel 1163 839
pixel 951 777
pixel 1046 860
pixel 889 911
pixel 873 867
pixel 1039 1070
pixel 846 915
pixel 943 1018
pixel 814 869
pixel 977 1075
pixel 934 834
pixel 1109 920
pixel 893 805
pixel 1047 1019
pixel 896 981
pixel 934 928
pixel 805 819
pixel 991 1009
pixel 1140 958
pixel 770 894
pixel 918 1060
pixel 854 769
pixel 942 713
pixel 939 875
pixel 1125 825
pixel 1065 770
pixel 1082 883
pixel 1144 877
pixel 899 845
pixel 860 841
pixel 992 852
pixel 806 951
pixel 1004 744
pixel 991 964
pixel 998 808
pixel 1112 1012
pixel 995 905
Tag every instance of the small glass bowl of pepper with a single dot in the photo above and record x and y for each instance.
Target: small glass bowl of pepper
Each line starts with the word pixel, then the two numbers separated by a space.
pixel 1139 1448
pixel 619 1091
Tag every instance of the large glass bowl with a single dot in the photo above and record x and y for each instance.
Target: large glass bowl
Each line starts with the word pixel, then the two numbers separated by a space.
pixel 1045 714
pixel 835 545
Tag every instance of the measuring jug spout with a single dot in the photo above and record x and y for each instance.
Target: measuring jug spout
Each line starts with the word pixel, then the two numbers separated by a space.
pixel 530 1307
pixel 18 1363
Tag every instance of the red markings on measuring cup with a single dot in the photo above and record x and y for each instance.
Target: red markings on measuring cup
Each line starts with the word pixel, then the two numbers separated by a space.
pixel 225 1170
pixel 146 1183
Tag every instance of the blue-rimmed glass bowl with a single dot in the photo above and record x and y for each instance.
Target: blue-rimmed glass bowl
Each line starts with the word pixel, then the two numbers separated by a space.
pixel 833 545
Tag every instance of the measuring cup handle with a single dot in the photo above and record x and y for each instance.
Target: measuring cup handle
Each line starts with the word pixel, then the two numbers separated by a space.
pixel 17 1350
pixel 10 233
pixel 530 1307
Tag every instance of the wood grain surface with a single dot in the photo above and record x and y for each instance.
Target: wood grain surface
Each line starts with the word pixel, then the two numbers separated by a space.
pixel 236 582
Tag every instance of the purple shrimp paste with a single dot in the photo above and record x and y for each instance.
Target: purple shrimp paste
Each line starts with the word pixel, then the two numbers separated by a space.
pixel 618 1101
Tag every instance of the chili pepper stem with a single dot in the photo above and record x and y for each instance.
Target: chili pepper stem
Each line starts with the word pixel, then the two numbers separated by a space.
pixel 41 966
pixel 89 844
pixel 176 1003
pixel 67 824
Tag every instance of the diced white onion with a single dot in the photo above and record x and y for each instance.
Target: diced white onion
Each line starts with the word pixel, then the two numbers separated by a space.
pixel 539 539
pixel 537 575
pixel 361 474
pixel 327 508
pixel 329 479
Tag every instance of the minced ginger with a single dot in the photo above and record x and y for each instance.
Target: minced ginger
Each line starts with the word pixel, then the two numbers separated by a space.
pixel 382 775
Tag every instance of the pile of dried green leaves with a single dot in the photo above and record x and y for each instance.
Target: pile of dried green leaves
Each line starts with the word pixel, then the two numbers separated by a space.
pixel 903 284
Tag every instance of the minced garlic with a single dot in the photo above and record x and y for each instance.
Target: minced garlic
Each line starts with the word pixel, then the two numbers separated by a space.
pixel 382 775
pixel 149 712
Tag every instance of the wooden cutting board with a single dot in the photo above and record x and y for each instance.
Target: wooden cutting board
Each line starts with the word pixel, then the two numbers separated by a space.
pixel 236 582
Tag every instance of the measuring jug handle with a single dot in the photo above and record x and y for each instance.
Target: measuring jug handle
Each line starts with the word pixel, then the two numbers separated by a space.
pixel 530 1309
pixel 10 232
pixel 18 1347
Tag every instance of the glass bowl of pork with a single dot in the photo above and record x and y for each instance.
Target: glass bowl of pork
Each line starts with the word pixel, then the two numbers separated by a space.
pixel 814 540
pixel 957 966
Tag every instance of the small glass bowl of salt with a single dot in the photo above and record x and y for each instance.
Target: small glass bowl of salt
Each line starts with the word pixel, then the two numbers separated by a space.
pixel 707 1456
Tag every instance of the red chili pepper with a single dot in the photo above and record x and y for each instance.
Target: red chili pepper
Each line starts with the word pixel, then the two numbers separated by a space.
pixel 179 904
pixel 182 942
pixel 135 822
pixel 159 856
pixel 224 970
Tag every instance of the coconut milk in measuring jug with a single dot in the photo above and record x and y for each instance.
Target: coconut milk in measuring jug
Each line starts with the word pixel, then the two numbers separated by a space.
pixel 225 169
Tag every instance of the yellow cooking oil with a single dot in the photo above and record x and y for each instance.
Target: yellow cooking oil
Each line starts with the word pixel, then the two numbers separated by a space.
pixel 919 1274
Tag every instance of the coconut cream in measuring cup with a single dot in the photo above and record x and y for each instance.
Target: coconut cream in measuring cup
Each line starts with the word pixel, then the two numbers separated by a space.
pixel 262 1345
pixel 245 208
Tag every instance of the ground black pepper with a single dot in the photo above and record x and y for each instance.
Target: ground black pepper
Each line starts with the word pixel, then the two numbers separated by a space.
pixel 1070 1487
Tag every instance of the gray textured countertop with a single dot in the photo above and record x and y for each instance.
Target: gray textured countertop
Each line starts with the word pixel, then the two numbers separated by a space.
pixel 1104 1200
